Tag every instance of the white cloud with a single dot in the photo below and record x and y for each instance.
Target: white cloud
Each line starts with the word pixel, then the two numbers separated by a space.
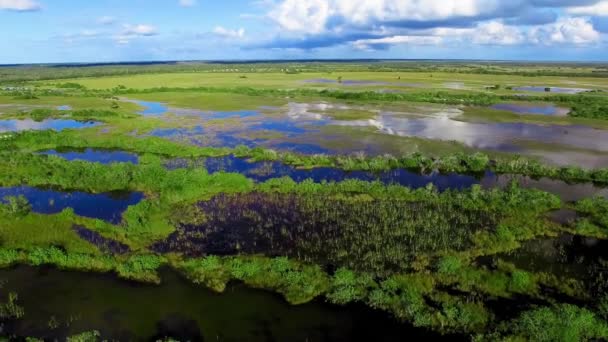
pixel 187 3
pixel 600 8
pixel 139 30
pixel 313 16
pixel 19 5
pixel 227 33
pixel 106 20
pixel 89 33
pixel 578 31
pixel 130 32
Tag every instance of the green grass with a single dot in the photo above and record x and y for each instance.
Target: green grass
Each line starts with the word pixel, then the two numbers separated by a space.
pixel 211 102
pixel 431 79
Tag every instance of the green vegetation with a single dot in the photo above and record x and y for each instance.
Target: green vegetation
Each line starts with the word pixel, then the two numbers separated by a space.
pixel 560 323
pixel 594 218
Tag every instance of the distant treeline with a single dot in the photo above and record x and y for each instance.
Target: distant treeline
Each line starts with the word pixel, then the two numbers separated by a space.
pixel 13 74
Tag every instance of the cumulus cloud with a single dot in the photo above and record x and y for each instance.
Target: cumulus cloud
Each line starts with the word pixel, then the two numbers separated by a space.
pixel 20 5
pixel 578 31
pixel 496 33
pixel 600 8
pixel 227 33
pixel 378 24
pixel 187 3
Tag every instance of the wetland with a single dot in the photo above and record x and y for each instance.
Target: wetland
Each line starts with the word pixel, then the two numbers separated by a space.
pixel 329 204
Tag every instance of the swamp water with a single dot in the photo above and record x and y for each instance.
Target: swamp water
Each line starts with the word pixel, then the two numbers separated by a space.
pixel 123 310
pixel 568 255
pixel 263 171
pixel 383 238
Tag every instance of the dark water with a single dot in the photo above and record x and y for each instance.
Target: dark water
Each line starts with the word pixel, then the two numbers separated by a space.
pixel 124 311
pixel 263 171
pixel 560 90
pixel 108 207
pixel 96 156
pixel 54 124
pixel 531 109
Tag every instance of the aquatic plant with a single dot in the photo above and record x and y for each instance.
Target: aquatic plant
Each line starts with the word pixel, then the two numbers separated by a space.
pixel 87 336
pixel 10 309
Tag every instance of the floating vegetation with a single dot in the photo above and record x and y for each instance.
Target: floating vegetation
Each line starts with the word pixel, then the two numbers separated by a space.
pixel 311 225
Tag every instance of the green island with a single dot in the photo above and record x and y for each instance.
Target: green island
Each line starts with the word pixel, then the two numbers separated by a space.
pixel 176 201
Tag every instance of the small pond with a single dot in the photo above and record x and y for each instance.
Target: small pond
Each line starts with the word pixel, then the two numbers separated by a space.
pixel 96 156
pixel 125 311
pixel 532 109
pixel 108 207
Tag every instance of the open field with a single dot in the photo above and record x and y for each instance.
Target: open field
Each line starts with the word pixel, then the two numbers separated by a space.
pixel 481 208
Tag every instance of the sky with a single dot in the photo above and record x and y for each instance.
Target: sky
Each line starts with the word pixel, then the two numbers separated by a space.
pixel 64 31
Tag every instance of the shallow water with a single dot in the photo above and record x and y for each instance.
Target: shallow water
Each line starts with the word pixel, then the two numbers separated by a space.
pixel 364 83
pixel 54 124
pixel 108 207
pixel 64 107
pixel 560 90
pixel 122 310
pixel 495 136
pixel 532 109
pixel 152 108
pixel 96 156
pixel 303 124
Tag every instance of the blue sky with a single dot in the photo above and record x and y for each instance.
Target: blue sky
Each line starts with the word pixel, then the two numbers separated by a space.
pixel 38 31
